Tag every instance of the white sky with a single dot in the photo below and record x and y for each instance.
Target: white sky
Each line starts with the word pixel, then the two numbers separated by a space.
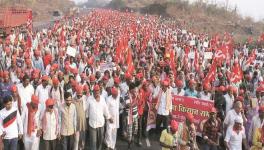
pixel 253 8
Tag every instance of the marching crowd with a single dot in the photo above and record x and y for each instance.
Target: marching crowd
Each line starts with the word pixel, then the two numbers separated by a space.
pixel 88 80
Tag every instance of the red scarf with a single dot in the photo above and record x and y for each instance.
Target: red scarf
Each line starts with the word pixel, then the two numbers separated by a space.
pixel 31 121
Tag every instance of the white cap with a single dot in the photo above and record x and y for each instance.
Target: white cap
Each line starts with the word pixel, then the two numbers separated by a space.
pixel 239 120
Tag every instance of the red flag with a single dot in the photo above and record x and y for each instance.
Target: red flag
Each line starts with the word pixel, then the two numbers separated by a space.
pixel 237 73
pixel 211 74
pixel 29 21
pixel 130 65
pixel 251 58
pixel 196 61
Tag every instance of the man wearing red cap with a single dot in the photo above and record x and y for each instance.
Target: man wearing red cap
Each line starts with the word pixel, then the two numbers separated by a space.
pixel 5 87
pixel 164 105
pixel 257 122
pixel 206 94
pixel 43 91
pixel 38 62
pixel 211 130
pixel 80 104
pixel 186 133
pixel 50 125
pixel 25 90
pixel 56 92
pixel 31 124
pixel 191 92
pixel 16 98
pixel 178 90
pixel 112 103
pixel 169 137
pixel 97 114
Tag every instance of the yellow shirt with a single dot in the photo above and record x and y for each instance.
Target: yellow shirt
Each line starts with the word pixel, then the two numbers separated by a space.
pixel 257 145
pixel 168 139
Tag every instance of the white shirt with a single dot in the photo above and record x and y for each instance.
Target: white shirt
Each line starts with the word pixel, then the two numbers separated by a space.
pixel 50 131
pixel 255 124
pixel 25 93
pixel 43 94
pixel 13 129
pixel 97 112
pixel 230 117
pixel 113 107
pixel 229 102
pixel 205 96
pixel 233 139
pixel 124 89
pixel 162 106
pixel 175 92
pixel 155 91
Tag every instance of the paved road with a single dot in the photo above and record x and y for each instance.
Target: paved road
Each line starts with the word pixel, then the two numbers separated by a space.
pixel 153 139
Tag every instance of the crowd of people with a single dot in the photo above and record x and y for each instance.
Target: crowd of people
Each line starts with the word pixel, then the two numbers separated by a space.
pixel 90 79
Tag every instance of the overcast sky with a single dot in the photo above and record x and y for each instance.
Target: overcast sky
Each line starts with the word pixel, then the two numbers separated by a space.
pixel 253 8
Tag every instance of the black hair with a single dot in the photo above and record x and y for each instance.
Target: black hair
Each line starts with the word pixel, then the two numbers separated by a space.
pixel 25 77
pixel 67 95
pixel 7 99
pixel 132 86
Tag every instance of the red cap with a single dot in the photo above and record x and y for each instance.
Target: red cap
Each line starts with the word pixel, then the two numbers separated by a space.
pixel 165 82
pixel 1 73
pixel 55 66
pixel 60 73
pixel 96 87
pixel 114 91
pixel 240 98
pixel 74 71
pixel 139 75
pixel 191 82
pixel 116 80
pixel 83 75
pixel 79 89
pixel 248 77
pixel 35 75
pixel 45 78
pixel 105 77
pixel 5 74
pixel 86 88
pixel 207 86
pixel 222 88
pixel 174 125
pixel 34 99
pixel 14 88
pixel 49 102
pixel 128 76
pixel 213 109
pixel 55 81
pixel 179 83
pixel 92 78
pixel 241 92
pixel 261 108
pixel 190 117
pixel 37 53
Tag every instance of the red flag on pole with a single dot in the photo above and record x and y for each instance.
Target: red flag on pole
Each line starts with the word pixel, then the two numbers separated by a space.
pixel 237 73
pixel 251 58
pixel 130 65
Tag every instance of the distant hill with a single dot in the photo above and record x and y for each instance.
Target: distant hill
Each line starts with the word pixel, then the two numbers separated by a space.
pixel 198 17
pixel 42 9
